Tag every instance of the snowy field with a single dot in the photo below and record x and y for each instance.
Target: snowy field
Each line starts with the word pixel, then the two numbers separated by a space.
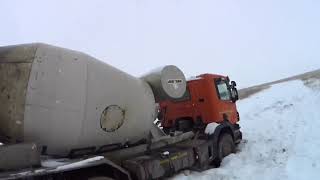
pixel 281 129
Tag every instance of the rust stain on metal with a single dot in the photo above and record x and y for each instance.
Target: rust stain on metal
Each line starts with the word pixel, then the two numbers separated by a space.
pixel 15 66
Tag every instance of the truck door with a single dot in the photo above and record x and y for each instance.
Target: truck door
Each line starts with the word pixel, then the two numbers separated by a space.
pixel 226 108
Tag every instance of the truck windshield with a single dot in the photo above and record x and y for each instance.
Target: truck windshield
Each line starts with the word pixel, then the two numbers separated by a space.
pixel 223 90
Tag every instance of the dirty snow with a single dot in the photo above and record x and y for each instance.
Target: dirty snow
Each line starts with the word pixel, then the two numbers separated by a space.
pixel 53 163
pixel 80 163
pixel 211 128
pixel 281 127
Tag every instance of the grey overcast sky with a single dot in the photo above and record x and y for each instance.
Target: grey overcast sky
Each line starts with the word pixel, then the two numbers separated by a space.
pixel 252 41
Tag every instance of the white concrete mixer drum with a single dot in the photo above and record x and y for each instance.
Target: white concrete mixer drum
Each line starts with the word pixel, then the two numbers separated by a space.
pixel 64 100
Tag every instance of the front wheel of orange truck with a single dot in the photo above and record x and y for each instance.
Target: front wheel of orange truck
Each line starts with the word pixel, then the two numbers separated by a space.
pixel 226 146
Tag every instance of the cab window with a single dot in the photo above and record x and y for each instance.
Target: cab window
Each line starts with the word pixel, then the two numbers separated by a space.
pixel 223 90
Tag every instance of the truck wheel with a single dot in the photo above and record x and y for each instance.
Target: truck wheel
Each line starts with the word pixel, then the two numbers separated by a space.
pixel 184 125
pixel 226 147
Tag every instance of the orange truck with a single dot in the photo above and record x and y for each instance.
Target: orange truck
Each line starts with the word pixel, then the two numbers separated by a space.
pixel 209 102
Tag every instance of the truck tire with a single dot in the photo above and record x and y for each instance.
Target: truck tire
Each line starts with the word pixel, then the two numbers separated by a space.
pixel 226 146
pixel 184 125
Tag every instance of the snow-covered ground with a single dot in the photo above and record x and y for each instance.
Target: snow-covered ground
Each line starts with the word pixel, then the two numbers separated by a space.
pixel 281 129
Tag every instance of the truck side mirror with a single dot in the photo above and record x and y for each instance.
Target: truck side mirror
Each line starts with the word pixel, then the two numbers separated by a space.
pixel 234 92
pixel 233 84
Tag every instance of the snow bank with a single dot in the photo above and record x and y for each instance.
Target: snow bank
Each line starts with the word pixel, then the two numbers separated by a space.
pixel 281 127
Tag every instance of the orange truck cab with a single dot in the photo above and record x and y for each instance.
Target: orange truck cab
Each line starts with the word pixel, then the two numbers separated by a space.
pixel 209 98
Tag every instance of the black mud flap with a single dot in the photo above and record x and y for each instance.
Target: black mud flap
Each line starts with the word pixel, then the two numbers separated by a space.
pixel 237 134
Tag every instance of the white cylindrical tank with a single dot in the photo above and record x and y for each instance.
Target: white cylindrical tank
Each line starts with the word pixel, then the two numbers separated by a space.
pixel 167 82
pixel 64 100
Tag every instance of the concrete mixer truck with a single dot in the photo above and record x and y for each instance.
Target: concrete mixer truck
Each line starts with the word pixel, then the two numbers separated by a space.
pixel 67 115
